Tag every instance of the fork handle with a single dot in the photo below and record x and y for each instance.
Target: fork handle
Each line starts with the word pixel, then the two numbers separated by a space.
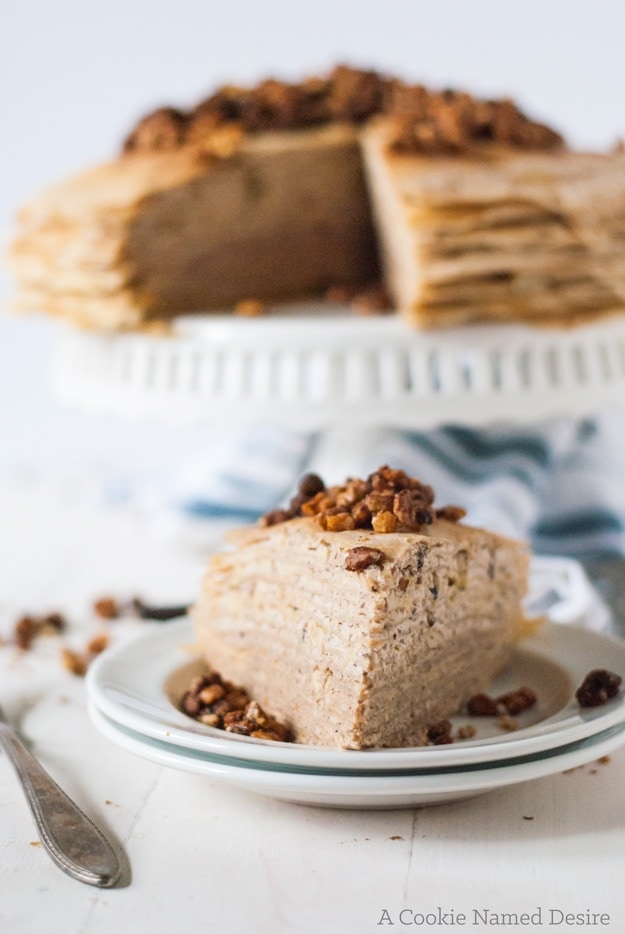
pixel 72 840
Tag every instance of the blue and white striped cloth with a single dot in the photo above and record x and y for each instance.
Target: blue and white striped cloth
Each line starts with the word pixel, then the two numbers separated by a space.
pixel 559 484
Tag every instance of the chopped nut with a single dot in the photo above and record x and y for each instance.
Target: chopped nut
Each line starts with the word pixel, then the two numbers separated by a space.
pixel 223 705
pixel 451 513
pixel 26 630
pixel 372 301
pixel 440 734
pixel 481 705
pixel 467 731
pixel 249 308
pixel 597 688
pixel 98 644
pixel 208 719
pixel 341 522
pixel 387 501
pixel 516 702
pixel 74 662
pixel 53 622
pixel 384 522
pixel 106 608
pixel 506 722
pixel 209 695
pixel 362 557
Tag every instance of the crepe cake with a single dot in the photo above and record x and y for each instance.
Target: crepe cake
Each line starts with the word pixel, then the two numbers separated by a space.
pixel 362 615
pixel 285 191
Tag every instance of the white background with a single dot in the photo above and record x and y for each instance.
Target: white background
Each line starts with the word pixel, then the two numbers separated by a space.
pixel 75 75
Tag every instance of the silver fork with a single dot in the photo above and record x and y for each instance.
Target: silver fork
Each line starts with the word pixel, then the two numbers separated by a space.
pixel 72 840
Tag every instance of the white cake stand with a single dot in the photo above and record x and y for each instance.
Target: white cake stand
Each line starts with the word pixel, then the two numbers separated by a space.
pixel 308 370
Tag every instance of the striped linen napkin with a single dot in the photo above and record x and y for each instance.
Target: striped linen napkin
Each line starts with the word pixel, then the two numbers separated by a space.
pixel 559 484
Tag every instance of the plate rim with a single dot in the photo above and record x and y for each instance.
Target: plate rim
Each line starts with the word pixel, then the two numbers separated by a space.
pixel 484 777
pixel 553 733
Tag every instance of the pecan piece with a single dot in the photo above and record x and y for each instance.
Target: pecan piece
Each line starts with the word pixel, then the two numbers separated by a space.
pixel 598 687
pixel 362 557
pixel 481 705
pixel 439 734
pixel 516 702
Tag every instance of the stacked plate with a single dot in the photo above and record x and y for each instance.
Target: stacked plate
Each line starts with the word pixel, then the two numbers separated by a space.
pixel 135 687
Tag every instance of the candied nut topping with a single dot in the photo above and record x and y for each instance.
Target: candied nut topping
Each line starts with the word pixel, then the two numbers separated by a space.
pixel 451 513
pixel 440 734
pixel 362 557
pixel 597 688
pixel 506 722
pixel 481 705
pixel 97 645
pixel 29 628
pixel 249 308
pixel 74 662
pixel 26 630
pixel 107 608
pixel 422 121
pixel 452 123
pixel 516 702
pixel 163 129
pixel 387 501
pixel 221 704
pixel 513 702
pixel 467 731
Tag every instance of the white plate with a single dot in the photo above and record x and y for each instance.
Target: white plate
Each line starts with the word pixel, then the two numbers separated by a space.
pixel 396 790
pixel 137 684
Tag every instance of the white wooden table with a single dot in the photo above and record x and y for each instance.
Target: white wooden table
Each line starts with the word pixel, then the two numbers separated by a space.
pixel 202 857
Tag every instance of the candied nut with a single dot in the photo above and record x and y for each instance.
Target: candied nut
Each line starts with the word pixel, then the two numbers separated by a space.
pixel 506 722
pixel 362 557
pixel 340 522
pixel 98 644
pixel 162 129
pixel 380 502
pixel 249 308
pixel 372 301
pixel 26 630
pixel 516 702
pixel 106 608
pixel 598 687
pixel 481 705
pixel 410 509
pixel 361 514
pixel 451 513
pixel 338 295
pixel 264 734
pixel 223 705
pixel 209 695
pixel 53 621
pixel 387 501
pixel 440 733
pixel 190 705
pixel 384 522
pixel 467 731
pixel 275 517
pixel 209 719
pixel 74 662
pixel 310 484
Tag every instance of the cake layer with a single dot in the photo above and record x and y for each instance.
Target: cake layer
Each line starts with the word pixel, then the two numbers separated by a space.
pixel 499 234
pixel 369 657
pixel 156 234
